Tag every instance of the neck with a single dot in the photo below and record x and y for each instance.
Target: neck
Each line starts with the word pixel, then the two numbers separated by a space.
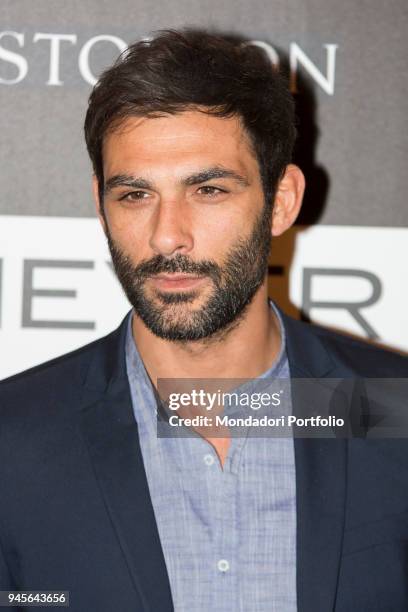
pixel 246 350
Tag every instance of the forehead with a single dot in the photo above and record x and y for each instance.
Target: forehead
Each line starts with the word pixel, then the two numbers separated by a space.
pixel 189 138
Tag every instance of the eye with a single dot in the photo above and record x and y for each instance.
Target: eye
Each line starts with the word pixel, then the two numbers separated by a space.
pixel 133 196
pixel 210 190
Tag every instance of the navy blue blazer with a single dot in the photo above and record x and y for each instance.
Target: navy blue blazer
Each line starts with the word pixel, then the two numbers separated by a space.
pixel 75 509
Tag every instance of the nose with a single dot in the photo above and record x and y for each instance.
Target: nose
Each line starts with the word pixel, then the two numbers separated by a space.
pixel 171 232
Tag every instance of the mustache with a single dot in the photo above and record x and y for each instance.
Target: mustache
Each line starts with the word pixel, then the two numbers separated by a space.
pixel 179 263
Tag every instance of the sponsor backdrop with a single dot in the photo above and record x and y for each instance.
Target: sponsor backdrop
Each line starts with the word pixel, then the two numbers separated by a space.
pixel 343 265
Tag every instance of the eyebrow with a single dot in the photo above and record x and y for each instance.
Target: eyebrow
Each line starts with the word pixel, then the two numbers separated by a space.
pixel 216 172
pixel 125 180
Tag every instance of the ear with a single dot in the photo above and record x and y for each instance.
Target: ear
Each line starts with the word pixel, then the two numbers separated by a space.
pixel 98 203
pixel 288 199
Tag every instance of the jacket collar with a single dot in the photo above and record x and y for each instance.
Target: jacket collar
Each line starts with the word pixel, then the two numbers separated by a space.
pixel 107 368
pixel 307 353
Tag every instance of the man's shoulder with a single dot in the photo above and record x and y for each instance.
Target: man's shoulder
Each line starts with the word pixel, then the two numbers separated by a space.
pixel 51 383
pixel 348 354
pixel 362 355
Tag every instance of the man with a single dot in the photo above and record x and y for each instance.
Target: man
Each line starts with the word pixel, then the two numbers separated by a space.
pixel 191 137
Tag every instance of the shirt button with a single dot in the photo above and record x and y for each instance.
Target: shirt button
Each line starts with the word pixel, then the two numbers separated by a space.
pixel 223 565
pixel 208 459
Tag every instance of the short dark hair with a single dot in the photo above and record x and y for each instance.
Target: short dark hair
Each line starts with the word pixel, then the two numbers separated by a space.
pixel 180 70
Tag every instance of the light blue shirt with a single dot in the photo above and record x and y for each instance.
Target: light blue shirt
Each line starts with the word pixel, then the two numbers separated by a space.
pixel 228 534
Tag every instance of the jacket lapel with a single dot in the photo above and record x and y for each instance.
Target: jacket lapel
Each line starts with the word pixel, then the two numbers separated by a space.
pixel 110 432
pixel 320 481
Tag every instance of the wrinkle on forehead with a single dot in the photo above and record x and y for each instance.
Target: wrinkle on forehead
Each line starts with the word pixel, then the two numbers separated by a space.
pixel 204 121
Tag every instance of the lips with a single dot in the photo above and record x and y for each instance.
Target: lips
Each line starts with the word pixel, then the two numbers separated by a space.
pixel 176 280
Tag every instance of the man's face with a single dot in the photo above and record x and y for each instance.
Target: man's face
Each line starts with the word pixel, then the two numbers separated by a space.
pixel 187 226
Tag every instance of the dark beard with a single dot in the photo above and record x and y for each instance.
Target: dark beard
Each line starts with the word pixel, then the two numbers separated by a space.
pixel 235 284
